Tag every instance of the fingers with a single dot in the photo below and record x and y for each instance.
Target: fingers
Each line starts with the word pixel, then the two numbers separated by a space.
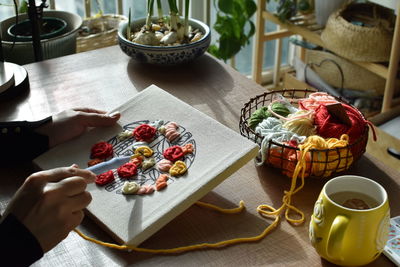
pixel 99 119
pixel 70 186
pixel 76 219
pixel 58 174
pixel 90 110
pixel 79 202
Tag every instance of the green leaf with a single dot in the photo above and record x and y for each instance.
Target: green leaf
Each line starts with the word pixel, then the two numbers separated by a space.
pixel 213 50
pixel 251 7
pixel 226 6
pixel 237 30
pixel 223 25
pixel 233 23
pixel 228 48
pixel 23 7
pixel 251 31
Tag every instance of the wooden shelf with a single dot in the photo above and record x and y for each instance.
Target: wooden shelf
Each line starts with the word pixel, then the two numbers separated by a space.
pixel 312 35
pixel 315 38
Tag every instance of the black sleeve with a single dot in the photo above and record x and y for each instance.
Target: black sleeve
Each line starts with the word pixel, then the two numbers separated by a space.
pixel 19 141
pixel 18 246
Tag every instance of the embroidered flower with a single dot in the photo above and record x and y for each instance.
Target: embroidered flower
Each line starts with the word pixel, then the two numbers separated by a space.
pixel 148 163
pixel 130 188
pixel 105 178
pixel 144 150
pixel 173 153
pixel 127 170
pixel 164 165
pixel 144 132
pixel 161 182
pixel 101 150
pixel 178 168
pixel 188 148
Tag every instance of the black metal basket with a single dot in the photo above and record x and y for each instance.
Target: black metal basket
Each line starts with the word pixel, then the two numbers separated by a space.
pixel 319 163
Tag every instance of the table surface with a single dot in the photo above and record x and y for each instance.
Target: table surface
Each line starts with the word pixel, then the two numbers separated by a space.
pixel 104 79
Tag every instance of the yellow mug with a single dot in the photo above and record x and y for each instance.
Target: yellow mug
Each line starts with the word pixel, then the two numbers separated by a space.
pixel 343 229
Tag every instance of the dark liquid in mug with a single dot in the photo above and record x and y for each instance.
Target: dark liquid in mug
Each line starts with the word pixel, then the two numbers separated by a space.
pixel 354 200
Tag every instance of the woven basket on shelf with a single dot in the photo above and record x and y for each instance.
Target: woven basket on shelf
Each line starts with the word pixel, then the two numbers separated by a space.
pixel 354 76
pixel 107 27
pixel 360 32
pixel 279 160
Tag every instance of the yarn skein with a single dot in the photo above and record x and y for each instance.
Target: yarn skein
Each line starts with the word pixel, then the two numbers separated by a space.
pixel 258 116
pixel 265 112
pixel 329 126
pixel 315 99
pixel 271 130
pixel 301 125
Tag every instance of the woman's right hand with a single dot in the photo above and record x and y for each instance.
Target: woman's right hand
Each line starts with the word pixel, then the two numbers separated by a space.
pixel 50 203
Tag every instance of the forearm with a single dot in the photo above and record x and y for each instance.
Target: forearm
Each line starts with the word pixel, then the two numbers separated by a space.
pixel 19 141
pixel 18 246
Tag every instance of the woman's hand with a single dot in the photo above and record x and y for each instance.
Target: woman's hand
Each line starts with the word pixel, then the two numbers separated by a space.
pixel 50 203
pixel 72 123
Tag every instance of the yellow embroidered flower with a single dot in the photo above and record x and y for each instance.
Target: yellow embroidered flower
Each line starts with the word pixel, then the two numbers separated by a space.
pixel 144 150
pixel 178 168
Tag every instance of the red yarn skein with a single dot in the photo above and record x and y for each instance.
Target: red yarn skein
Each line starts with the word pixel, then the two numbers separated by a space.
pixel 328 126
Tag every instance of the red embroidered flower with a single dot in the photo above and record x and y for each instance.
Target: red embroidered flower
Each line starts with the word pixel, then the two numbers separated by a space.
pixel 173 153
pixel 101 150
pixel 127 170
pixel 105 178
pixel 144 132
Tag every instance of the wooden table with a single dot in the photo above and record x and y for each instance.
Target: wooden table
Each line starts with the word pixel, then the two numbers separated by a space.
pixel 104 79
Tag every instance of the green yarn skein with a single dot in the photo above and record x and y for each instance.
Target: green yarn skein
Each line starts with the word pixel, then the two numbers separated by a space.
pixel 280 108
pixel 258 116
pixel 262 113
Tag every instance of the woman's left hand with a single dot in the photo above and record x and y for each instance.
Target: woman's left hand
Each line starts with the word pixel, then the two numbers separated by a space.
pixel 72 123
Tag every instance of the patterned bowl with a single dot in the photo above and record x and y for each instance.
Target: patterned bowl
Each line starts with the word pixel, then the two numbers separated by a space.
pixel 164 55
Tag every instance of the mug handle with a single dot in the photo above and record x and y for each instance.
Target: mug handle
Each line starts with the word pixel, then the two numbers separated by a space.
pixel 335 237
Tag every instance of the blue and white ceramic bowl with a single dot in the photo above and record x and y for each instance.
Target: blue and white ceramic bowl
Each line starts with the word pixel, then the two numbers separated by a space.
pixel 164 55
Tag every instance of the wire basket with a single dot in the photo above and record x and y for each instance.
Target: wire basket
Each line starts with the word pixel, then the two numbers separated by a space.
pixel 105 30
pixel 319 163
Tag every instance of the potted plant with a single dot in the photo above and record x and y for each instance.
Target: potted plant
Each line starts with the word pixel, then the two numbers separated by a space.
pixel 164 40
pixel 234 25
pixel 48 27
pixel 21 50
pixel 289 8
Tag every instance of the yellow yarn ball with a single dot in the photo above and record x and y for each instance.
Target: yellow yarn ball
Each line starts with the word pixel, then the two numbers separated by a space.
pixel 336 158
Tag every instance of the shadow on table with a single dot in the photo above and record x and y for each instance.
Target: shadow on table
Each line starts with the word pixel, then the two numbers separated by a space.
pixel 200 225
pixel 204 81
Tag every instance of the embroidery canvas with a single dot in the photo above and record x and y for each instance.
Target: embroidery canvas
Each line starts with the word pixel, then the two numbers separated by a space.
pixel 218 152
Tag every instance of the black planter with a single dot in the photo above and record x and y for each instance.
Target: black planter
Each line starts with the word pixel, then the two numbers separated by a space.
pixel 51 27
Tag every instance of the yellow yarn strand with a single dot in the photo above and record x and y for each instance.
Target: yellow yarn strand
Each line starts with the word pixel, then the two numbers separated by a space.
pixel 312 142
pixel 196 246
pixel 222 210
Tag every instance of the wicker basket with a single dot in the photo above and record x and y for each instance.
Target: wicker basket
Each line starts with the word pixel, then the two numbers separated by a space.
pixel 354 76
pixel 277 152
pixel 106 35
pixel 360 32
